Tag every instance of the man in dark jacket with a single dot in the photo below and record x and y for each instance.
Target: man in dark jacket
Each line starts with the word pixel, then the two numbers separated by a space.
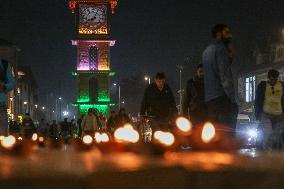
pixel 159 103
pixel 218 80
pixel 194 105
pixel 269 108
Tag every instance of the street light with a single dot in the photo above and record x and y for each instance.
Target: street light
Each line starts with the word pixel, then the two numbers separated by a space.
pixel 26 106
pixel 148 79
pixel 116 84
pixel 43 108
pixel 60 106
pixel 65 113
pixel 180 67
pixel 36 111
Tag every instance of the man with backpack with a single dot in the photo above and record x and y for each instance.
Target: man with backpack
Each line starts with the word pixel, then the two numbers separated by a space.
pixel 7 83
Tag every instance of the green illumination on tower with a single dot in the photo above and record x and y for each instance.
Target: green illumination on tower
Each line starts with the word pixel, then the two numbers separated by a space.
pixel 83 99
pixel 103 96
pixel 83 108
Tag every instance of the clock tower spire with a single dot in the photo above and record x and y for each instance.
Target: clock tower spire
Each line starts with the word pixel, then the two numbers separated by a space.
pixel 93 42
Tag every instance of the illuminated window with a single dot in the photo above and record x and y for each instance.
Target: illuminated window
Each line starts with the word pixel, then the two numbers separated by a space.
pixel 250 89
pixel 93 58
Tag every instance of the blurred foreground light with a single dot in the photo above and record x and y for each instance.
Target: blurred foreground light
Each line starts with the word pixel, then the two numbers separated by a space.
pixel 2 138
pixel 126 134
pixel 252 133
pixel 165 138
pixel 87 140
pixel 8 142
pixel 208 132
pixel 40 139
pixel 34 137
pixel 183 124
pixel 20 138
pixel 101 137
pixel 104 137
pixel 128 126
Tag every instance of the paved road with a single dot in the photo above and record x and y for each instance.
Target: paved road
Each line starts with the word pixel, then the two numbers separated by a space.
pixel 68 168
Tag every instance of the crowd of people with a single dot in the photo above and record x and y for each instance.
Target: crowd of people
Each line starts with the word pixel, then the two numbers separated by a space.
pixel 210 95
pixel 86 125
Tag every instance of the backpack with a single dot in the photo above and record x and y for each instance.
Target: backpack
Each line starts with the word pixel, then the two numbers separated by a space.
pixel 3 72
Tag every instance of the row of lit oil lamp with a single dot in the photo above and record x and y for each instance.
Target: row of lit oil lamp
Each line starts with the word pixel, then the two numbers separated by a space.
pixel 203 137
pixel 207 136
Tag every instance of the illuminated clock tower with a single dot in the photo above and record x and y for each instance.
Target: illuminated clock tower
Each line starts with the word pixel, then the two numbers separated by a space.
pixel 92 18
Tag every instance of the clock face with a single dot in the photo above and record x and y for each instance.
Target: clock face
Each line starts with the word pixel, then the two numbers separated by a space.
pixel 93 19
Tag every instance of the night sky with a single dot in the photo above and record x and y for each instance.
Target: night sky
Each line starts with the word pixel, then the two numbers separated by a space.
pixel 151 35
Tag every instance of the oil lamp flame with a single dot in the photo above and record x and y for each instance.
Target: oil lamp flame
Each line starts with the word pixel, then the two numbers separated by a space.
pixel 8 142
pixel 128 126
pixel 104 137
pixel 101 137
pixel 34 137
pixel 126 134
pixel 208 132
pixel 40 139
pixel 183 124
pixel 165 138
pixel 87 140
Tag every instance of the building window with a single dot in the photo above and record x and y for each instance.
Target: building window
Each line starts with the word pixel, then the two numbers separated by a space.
pixel 250 89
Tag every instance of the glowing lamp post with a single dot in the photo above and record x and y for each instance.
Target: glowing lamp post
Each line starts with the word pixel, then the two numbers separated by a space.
pixel 119 95
pixel 147 78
